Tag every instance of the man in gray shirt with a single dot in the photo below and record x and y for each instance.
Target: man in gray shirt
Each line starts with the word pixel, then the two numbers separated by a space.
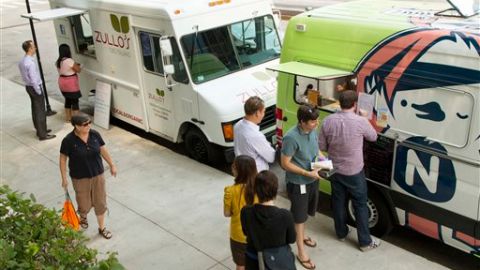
pixel 30 75
pixel 299 149
pixel 342 136
pixel 247 138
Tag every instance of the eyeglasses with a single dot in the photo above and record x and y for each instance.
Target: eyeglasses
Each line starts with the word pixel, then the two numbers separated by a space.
pixel 86 123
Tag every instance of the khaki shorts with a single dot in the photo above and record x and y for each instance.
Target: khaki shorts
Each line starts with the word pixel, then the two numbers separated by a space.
pixel 90 192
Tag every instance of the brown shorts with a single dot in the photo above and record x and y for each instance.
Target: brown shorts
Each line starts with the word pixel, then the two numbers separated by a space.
pixel 90 192
pixel 238 252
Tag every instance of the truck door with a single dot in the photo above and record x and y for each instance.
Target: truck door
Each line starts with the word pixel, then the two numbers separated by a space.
pixel 158 97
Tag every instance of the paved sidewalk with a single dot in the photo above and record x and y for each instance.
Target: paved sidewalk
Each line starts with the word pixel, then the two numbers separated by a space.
pixel 165 209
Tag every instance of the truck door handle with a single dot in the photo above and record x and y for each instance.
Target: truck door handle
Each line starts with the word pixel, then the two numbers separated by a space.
pixel 195 120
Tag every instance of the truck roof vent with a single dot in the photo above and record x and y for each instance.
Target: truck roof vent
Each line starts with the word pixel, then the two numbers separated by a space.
pixel 461 8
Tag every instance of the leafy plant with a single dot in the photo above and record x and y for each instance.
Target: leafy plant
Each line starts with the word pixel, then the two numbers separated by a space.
pixel 33 237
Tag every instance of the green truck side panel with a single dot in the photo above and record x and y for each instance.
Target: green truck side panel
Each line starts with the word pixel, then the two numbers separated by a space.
pixel 337 36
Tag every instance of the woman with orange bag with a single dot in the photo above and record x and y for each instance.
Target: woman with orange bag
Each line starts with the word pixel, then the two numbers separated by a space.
pixel 84 148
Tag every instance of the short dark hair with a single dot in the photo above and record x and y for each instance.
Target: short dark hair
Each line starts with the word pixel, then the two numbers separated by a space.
pixel 253 104
pixel 79 118
pixel 347 99
pixel 26 45
pixel 306 113
pixel 266 186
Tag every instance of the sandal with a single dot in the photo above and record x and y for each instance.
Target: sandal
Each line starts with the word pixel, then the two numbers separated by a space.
pixel 309 242
pixel 83 222
pixel 105 233
pixel 307 264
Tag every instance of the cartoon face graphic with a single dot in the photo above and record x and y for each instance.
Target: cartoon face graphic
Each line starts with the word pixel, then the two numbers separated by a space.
pixel 419 77
pixel 415 112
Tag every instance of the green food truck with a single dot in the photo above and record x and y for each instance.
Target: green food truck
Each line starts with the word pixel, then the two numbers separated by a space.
pixel 416 68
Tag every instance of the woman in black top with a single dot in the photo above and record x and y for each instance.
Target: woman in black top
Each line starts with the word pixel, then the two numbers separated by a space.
pixel 264 223
pixel 84 149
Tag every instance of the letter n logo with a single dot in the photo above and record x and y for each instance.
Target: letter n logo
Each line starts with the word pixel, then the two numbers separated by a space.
pixel 425 175
pixel 122 25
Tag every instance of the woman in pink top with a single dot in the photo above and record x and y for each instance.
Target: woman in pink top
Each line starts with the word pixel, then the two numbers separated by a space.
pixel 68 80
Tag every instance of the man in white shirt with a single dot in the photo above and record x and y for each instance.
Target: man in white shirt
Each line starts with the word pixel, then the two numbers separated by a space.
pixel 248 140
pixel 33 84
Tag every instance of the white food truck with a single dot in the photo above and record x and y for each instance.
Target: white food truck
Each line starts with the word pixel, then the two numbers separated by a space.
pixel 179 69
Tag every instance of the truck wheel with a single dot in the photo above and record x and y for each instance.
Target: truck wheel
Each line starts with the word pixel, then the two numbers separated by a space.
pixel 379 219
pixel 198 147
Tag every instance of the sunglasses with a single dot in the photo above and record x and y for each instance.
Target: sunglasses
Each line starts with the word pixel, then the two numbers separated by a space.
pixel 86 123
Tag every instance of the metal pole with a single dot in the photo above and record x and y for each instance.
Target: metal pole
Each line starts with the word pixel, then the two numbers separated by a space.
pixel 49 111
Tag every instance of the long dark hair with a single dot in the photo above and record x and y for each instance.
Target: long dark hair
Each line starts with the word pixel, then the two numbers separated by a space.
pixel 245 171
pixel 63 52
pixel 266 186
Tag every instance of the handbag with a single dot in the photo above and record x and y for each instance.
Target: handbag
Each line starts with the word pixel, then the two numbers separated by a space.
pixel 69 215
pixel 278 258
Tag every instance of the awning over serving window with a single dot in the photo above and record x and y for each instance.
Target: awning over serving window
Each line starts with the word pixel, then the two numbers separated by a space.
pixel 310 71
pixel 53 14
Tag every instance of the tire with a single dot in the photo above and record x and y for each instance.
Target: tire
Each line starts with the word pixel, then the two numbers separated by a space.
pixel 379 218
pixel 199 148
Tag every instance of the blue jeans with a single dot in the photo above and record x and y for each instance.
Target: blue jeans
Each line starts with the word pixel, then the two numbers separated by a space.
pixel 356 186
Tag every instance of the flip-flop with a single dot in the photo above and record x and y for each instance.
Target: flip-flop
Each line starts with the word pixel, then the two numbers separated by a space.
pixel 307 264
pixel 309 242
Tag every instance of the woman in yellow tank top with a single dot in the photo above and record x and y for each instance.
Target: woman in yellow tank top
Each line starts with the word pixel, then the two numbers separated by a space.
pixel 236 196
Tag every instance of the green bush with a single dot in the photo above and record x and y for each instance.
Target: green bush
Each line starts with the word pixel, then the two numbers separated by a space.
pixel 33 237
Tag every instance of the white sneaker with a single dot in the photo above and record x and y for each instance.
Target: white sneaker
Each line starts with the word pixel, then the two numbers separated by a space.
pixel 374 244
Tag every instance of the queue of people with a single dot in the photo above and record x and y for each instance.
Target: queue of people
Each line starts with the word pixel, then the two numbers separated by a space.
pixel 256 224
pixel 263 225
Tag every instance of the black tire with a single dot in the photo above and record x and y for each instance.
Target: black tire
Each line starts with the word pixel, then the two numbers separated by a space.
pixel 379 218
pixel 199 148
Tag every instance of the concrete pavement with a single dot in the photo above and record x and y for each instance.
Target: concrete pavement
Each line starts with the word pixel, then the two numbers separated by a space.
pixel 165 209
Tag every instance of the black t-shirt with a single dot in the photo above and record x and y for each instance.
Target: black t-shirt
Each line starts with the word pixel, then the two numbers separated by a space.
pixel 84 159
pixel 270 225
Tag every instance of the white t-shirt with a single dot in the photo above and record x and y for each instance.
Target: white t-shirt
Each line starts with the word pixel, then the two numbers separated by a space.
pixel 249 140
pixel 66 67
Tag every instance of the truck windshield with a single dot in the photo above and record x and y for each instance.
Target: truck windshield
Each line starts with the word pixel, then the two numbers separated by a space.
pixel 216 52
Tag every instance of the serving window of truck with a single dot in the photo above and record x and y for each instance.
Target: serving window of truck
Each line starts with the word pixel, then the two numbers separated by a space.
pixel 317 85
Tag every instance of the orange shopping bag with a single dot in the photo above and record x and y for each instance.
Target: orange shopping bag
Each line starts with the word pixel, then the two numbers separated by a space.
pixel 69 216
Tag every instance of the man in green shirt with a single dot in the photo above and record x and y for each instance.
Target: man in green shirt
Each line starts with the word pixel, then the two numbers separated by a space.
pixel 299 149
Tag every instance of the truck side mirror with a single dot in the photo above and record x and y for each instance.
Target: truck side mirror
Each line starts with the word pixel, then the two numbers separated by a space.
pixel 166 47
pixel 168 69
pixel 167 52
